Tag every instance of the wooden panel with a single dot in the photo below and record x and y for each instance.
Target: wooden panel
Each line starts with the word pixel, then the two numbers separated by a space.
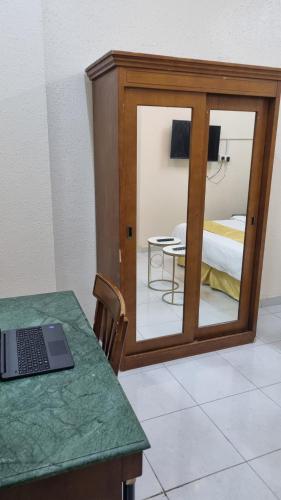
pixel 148 62
pixel 223 84
pixel 91 483
pixel 181 351
pixel 196 198
pixel 270 140
pixel 100 481
pixel 105 111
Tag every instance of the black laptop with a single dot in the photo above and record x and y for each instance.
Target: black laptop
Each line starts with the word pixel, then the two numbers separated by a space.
pixel 33 351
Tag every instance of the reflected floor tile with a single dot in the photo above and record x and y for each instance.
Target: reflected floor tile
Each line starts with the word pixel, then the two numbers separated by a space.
pixel 269 328
pixel 210 378
pixel 147 485
pixel 209 314
pixel 217 298
pixel 145 294
pixel 155 393
pixel 268 467
pixel 237 483
pixel 161 329
pixel 153 312
pixel 139 335
pixel 185 446
pixel 261 364
pixel 251 421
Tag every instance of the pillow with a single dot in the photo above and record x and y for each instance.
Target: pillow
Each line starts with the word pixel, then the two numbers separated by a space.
pixel 241 218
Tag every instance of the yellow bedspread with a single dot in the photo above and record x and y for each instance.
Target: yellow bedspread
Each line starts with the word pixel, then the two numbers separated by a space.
pixel 212 277
pixel 221 230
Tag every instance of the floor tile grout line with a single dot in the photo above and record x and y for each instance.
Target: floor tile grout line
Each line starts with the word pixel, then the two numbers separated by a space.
pixel 264 482
pixel 270 385
pixel 259 388
pixel 245 376
pixel 269 397
pixel 184 388
pixel 169 413
pixel 264 455
pixel 245 460
pixel 152 468
pixel 169 490
pixel 196 404
pixel 155 496
pixel 248 462
pixel 228 396
pixel 217 399
pixel 221 432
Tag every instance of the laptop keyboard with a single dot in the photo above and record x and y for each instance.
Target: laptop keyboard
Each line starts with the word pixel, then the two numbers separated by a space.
pixel 31 350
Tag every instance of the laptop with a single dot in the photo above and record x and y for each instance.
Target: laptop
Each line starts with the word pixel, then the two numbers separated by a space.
pixel 33 351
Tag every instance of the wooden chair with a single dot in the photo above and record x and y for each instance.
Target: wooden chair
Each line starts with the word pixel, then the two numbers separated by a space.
pixel 110 323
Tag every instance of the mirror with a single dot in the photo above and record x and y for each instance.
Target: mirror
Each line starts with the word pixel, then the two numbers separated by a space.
pixel 163 138
pixel 226 200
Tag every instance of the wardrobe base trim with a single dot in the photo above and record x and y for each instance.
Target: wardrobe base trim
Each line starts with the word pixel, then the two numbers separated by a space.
pixel 131 361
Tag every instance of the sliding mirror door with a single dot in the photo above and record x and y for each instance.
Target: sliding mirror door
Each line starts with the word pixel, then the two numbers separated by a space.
pixel 233 173
pixel 163 158
pixel 226 200
pixel 163 152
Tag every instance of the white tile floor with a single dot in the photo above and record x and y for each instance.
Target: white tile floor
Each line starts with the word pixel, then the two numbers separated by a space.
pixel 213 421
pixel 157 318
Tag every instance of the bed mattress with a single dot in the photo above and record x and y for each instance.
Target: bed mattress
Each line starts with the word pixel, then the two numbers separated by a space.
pixel 219 252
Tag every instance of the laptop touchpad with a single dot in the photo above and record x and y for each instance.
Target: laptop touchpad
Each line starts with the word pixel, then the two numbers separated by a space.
pixel 57 347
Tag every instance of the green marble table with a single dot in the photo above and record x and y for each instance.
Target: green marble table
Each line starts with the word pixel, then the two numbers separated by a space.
pixel 58 422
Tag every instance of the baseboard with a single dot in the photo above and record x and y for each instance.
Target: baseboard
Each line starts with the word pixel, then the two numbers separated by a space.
pixel 272 301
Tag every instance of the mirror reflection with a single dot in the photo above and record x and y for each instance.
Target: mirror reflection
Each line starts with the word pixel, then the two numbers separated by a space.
pixel 226 200
pixel 163 138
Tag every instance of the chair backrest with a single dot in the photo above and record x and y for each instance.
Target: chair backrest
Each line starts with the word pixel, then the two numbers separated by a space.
pixel 110 323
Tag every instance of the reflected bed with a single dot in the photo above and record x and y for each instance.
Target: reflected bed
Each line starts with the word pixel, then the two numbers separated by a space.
pixel 222 253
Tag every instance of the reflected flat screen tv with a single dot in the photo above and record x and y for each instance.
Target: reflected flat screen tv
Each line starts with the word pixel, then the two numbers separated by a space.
pixel 180 141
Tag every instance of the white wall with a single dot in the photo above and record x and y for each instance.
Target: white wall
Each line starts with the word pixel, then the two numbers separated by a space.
pixel 26 229
pixel 76 33
pixel 163 182
pixel 227 192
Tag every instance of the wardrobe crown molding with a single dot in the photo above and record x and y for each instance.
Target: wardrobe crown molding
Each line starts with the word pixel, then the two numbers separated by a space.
pixel 134 60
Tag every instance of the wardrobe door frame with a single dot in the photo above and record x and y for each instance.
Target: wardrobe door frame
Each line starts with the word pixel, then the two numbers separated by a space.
pixel 128 209
pixel 260 107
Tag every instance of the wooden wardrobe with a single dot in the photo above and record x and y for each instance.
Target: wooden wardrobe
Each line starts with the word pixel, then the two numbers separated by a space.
pixel 142 190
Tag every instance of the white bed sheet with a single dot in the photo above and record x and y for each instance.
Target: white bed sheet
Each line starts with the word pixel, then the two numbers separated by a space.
pixel 219 252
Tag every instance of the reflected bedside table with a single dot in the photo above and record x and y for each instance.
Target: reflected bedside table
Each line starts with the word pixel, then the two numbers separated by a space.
pixel 160 242
pixel 174 251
